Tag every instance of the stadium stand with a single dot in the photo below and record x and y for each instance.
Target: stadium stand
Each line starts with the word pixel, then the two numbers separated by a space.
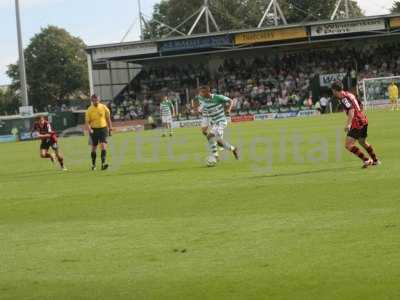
pixel 263 81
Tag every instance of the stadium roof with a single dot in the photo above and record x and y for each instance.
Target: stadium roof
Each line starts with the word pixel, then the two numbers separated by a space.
pixel 316 23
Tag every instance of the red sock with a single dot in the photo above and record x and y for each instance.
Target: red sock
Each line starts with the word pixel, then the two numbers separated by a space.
pixel 371 153
pixel 356 151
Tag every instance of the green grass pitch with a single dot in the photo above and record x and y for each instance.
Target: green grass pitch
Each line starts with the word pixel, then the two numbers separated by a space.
pixel 296 218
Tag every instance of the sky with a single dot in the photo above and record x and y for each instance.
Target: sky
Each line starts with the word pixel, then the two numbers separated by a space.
pixel 95 21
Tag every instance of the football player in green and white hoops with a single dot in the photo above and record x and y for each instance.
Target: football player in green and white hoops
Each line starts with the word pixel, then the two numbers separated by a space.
pixel 167 112
pixel 214 107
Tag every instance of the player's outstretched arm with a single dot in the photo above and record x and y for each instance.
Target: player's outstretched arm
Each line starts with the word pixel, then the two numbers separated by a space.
pixel 196 106
pixel 229 106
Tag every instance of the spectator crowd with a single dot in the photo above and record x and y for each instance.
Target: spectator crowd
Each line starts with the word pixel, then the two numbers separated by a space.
pixel 268 82
pixel 271 81
pixel 262 81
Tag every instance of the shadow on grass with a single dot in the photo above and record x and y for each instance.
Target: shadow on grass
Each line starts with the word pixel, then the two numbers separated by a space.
pixel 24 174
pixel 36 174
pixel 291 174
pixel 7 176
pixel 45 173
pixel 153 171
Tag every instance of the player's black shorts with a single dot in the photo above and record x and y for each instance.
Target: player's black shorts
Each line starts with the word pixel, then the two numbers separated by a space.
pixel 358 133
pixel 99 136
pixel 47 144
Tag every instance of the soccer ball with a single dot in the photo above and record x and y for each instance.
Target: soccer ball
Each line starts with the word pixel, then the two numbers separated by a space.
pixel 211 161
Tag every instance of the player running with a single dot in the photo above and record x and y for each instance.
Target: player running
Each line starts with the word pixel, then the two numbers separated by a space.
pixel 205 120
pixel 43 131
pixel 167 112
pixel 99 126
pixel 214 108
pixel 394 95
pixel 356 126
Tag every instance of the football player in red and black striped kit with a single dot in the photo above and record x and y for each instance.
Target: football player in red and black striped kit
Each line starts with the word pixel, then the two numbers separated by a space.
pixel 48 137
pixel 356 126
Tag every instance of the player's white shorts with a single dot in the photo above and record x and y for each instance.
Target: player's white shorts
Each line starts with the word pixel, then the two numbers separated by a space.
pixel 166 119
pixel 218 129
pixel 205 122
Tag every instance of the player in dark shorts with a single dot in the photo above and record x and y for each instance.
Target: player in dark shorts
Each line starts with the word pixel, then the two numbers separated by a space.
pixel 43 131
pixel 356 126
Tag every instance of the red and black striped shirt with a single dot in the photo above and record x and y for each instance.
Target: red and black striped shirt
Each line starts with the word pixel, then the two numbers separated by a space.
pixel 349 102
pixel 45 128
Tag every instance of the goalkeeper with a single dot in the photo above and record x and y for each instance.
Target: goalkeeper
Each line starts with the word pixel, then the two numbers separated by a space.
pixel 394 95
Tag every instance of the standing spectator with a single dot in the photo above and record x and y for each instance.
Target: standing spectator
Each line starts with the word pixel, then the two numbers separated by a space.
pixel 308 102
pixel 324 101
